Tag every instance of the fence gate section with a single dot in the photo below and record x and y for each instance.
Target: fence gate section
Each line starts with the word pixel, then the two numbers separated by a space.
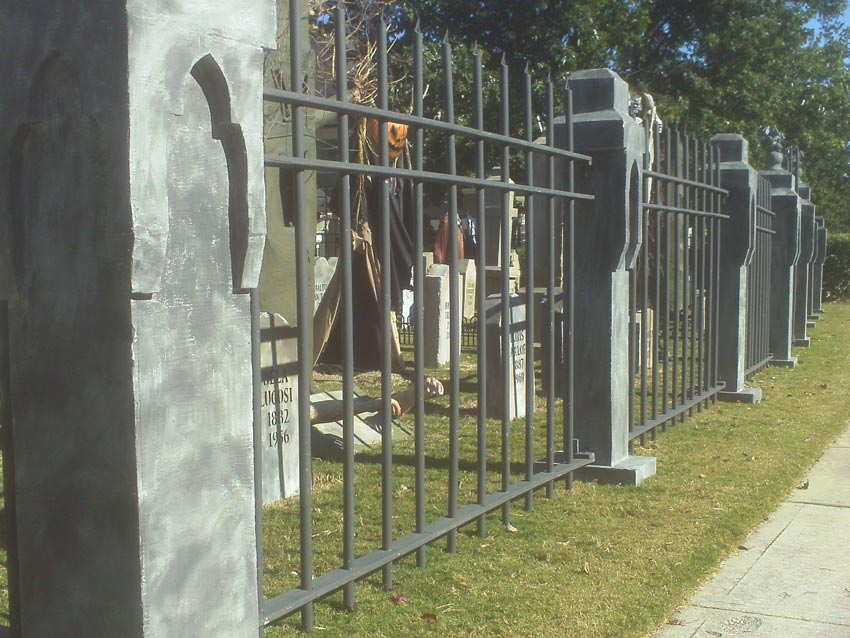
pixel 674 305
pixel 489 439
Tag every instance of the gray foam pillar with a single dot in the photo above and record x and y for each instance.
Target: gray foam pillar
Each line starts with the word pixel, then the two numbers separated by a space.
pixel 736 245
pixel 132 152
pixel 786 205
pixel 802 268
pixel 606 245
pixel 818 284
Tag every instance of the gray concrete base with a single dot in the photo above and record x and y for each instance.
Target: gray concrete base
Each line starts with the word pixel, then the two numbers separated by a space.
pixel 820 311
pixel 802 343
pixel 745 395
pixel 810 324
pixel 814 317
pixel 784 363
pixel 632 470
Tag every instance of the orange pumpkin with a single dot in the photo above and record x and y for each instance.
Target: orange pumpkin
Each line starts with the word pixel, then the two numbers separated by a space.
pixel 396 137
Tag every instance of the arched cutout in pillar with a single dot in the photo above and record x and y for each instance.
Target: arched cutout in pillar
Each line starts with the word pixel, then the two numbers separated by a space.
pixel 635 220
pixel 752 230
pixel 209 76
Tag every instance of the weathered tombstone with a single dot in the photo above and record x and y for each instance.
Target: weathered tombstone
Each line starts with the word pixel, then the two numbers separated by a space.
pixel 786 205
pixel 437 307
pixel 466 284
pixel 608 240
pixel 645 333
pixel 427 260
pixel 407 298
pixel 322 274
pixel 736 245
pixel 514 395
pixel 132 165
pixel 279 407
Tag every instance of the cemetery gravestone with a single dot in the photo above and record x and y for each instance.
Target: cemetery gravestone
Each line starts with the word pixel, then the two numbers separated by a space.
pixel 467 278
pixel 279 407
pixel 517 358
pixel 322 273
pixel 407 306
pixel 437 316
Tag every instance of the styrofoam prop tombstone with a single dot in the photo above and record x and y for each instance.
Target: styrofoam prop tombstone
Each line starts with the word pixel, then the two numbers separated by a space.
pixel 132 155
pixel 516 358
pixel 437 307
pixel 279 407
pixel 323 272
pixel 467 278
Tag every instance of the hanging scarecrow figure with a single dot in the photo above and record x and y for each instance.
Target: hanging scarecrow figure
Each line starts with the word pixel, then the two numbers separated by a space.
pixel 366 267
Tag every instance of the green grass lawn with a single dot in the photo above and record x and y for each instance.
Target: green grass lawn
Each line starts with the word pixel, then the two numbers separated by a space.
pixel 592 562
pixel 595 561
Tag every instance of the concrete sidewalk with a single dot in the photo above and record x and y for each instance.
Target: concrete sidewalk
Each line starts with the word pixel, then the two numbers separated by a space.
pixel 791 578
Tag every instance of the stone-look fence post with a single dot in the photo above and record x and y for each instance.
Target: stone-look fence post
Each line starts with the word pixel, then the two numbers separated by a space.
pixel 608 239
pixel 813 299
pixel 786 205
pixel 818 281
pixel 132 163
pixel 802 268
pixel 736 245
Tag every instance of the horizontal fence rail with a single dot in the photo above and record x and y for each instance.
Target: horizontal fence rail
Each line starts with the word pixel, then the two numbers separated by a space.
pixel 674 284
pixel 495 351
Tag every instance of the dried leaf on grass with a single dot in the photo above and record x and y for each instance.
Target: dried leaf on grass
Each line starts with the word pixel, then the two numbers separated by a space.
pixel 399 598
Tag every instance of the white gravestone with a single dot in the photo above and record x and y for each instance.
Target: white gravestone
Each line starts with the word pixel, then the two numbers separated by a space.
pixel 517 358
pixel 322 274
pixel 279 407
pixel 467 276
pixel 437 316
pixel 407 306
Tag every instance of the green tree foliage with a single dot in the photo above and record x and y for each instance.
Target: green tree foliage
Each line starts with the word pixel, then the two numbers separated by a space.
pixel 712 65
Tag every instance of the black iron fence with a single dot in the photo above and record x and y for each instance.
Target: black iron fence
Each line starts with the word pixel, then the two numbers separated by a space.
pixel 758 284
pixel 674 285
pixel 505 376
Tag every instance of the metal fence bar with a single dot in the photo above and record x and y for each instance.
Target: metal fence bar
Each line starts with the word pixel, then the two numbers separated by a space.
pixel 569 270
pixel 668 275
pixel 677 168
pixel 693 253
pixel 344 186
pixel 529 296
pixel 505 247
pixel 454 314
pixel 716 235
pixel 549 359
pixel 386 317
pixel 656 318
pixel 303 238
pixel 428 176
pixel 418 296
pixel 298 98
pixel 481 294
